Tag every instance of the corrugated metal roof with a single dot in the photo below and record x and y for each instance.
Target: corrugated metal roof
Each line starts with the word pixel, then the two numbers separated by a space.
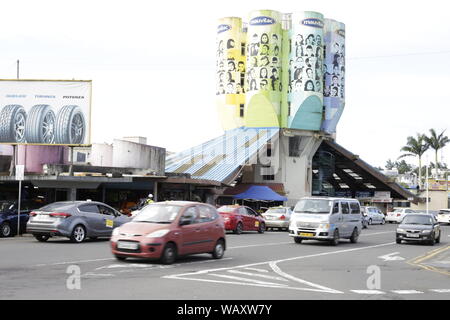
pixel 218 158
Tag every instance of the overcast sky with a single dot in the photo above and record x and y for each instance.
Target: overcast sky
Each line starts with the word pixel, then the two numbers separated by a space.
pixel 152 64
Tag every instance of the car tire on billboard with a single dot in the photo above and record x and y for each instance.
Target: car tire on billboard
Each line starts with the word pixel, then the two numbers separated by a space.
pixel 12 123
pixel 70 125
pixel 40 126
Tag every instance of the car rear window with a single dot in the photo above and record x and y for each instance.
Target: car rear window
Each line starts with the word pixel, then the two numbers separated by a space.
pixel 226 209
pixel 56 206
pixel 276 210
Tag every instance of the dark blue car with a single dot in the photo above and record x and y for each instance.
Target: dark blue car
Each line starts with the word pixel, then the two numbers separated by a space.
pixel 9 217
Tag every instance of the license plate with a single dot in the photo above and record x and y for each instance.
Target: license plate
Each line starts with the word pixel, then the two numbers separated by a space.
pixel 303 234
pixel 413 235
pixel 41 217
pixel 127 245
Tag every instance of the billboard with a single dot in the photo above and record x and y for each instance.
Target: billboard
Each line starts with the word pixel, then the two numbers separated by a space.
pixel 305 92
pixel 230 65
pixel 263 81
pixel 334 74
pixel 45 112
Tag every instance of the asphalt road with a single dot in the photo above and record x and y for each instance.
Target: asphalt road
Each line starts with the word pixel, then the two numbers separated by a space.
pixel 255 266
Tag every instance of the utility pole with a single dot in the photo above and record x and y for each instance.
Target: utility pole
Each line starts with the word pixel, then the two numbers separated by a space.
pixel 18 68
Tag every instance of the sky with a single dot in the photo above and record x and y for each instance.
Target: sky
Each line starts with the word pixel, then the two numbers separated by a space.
pixel 152 65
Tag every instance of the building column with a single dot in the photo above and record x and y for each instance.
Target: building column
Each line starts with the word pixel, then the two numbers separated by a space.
pixel 72 194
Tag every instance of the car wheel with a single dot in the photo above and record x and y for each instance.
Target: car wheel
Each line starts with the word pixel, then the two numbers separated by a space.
pixel 40 125
pixel 262 228
pixel 238 229
pixel 169 254
pixel 219 250
pixel 298 240
pixel 399 241
pixel 370 221
pixel 70 125
pixel 335 240
pixel 383 221
pixel 12 124
pixel 355 235
pixel 5 230
pixel 78 234
pixel 120 258
pixel 41 238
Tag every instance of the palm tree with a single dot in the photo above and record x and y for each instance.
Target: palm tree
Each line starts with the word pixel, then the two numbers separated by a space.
pixel 416 147
pixel 436 142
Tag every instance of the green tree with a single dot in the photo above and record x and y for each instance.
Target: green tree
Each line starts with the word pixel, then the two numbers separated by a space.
pixel 389 164
pixel 415 147
pixel 436 142
pixel 403 167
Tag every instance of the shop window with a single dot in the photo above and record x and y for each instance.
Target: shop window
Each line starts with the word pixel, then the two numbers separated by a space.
pixel 294 146
pixel 241 110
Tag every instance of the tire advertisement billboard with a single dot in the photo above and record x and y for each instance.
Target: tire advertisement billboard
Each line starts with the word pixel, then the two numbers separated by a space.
pixel 45 112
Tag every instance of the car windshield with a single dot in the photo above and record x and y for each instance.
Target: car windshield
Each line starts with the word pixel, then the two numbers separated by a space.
pixel 276 210
pixel 313 206
pixel 398 210
pixel 226 209
pixel 158 213
pixel 444 212
pixel 416 219
pixel 6 205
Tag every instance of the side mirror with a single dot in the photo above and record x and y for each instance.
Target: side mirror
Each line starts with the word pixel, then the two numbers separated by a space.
pixel 185 221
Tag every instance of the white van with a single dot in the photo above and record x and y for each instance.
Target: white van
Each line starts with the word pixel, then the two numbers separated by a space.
pixel 326 219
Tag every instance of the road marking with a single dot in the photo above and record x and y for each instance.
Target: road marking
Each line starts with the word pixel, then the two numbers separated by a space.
pixel 374 234
pixel 90 274
pixel 406 291
pixel 260 245
pixel 193 276
pixel 71 262
pixel 440 290
pixel 275 268
pixel 418 261
pixel 391 257
pixel 368 291
pixel 255 269
pixel 248 280
pixel 257 275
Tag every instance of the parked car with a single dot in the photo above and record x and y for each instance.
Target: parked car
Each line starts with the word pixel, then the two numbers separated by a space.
pixel 397 215
pixel 419 227
pixel 166 230
pixel 241 218
pixel 76 220
pixel 326 219
pixel 444 216
pixel 373 215
pixel 277 217
pixel 9 217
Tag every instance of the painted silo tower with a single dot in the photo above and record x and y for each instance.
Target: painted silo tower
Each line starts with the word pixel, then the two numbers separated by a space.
pixel 281 70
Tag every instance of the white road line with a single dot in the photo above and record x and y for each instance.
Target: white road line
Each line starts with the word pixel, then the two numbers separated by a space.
pixel 406 291
pixel 260 245
pixel 440 290
pixel 376 233
pixel 248 280
pixel 281 260
pixel 257 275
pixel 90 274
pixel 286 275
pixel 255 269
pixel 71 262
pixel 368 291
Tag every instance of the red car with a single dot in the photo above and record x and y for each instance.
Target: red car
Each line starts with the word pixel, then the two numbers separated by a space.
pixel 165 230
pixel 241 218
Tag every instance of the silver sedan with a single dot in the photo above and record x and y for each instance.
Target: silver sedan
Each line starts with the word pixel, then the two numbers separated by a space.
pixel 75 220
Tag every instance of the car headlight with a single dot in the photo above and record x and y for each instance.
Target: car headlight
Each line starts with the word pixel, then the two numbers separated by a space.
pixel 158 234
pixel 426 231
pixel 115 232
pixel 401 230
pixel 324 226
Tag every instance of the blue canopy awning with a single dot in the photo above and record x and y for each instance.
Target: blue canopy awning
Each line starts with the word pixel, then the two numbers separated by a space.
pixel 263 193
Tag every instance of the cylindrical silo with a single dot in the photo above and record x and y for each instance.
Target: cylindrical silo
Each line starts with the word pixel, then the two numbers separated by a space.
pixel 231 65
pixel 305 95
pixel 334 74
pixel 263 81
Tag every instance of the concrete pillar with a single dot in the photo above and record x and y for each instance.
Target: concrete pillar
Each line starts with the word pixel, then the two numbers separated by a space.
pixel 72 194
